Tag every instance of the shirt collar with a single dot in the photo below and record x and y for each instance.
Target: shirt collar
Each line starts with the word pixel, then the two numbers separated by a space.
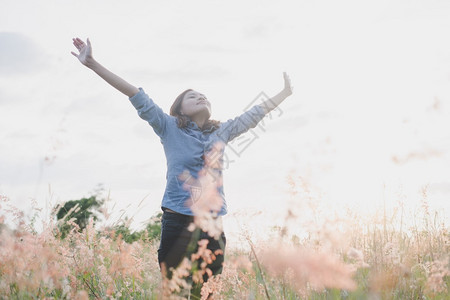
pixel 194 126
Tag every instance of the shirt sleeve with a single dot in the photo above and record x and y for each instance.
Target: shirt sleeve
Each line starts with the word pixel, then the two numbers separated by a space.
pixel 150 112
pixel 235 127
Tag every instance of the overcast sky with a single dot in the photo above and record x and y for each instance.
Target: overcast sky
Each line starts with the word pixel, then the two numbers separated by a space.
pixel 368 121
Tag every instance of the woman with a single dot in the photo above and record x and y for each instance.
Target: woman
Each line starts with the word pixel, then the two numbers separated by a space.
pixel 189 137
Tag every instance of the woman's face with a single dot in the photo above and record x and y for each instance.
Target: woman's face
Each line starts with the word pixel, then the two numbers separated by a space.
pixel 195 103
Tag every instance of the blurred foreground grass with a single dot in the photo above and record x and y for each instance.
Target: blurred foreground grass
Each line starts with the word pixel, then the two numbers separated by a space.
pixel 342 258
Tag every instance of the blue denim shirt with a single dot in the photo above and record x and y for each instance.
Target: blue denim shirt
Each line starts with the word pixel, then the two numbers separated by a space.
pixel 184 147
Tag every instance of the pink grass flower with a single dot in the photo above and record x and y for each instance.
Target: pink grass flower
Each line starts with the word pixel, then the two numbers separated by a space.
pixel 205 201
pixel 303 268
pixel 437 271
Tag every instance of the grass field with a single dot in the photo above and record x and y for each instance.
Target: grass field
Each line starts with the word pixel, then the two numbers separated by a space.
pixel 347 257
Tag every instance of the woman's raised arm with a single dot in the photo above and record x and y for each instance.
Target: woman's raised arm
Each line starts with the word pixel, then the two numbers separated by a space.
pixel 86 58
pixel 273 102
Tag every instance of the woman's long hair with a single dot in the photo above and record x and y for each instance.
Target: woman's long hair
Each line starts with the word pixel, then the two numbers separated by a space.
pixel 183 120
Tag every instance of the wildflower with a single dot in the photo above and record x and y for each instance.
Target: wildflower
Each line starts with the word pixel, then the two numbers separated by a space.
pixel 303 267
pixel 212 286
pixel 203 257
pixel 437 272
pixel 82 295
pixel 178 280
pixel 205 201
pixel 358 257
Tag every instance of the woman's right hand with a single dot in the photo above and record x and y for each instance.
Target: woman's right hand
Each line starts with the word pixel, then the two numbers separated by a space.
pixel 86 58
pixel 85 51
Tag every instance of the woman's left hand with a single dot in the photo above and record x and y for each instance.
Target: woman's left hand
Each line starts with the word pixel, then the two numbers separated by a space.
pixel 288 88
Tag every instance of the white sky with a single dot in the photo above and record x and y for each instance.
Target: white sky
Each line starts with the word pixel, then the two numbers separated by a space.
pixel 371 83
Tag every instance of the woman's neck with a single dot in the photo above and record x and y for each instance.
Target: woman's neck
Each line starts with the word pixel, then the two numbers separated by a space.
pixel 200 120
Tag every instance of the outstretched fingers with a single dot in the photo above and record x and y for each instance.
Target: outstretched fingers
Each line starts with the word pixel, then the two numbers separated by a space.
pixel 78 43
